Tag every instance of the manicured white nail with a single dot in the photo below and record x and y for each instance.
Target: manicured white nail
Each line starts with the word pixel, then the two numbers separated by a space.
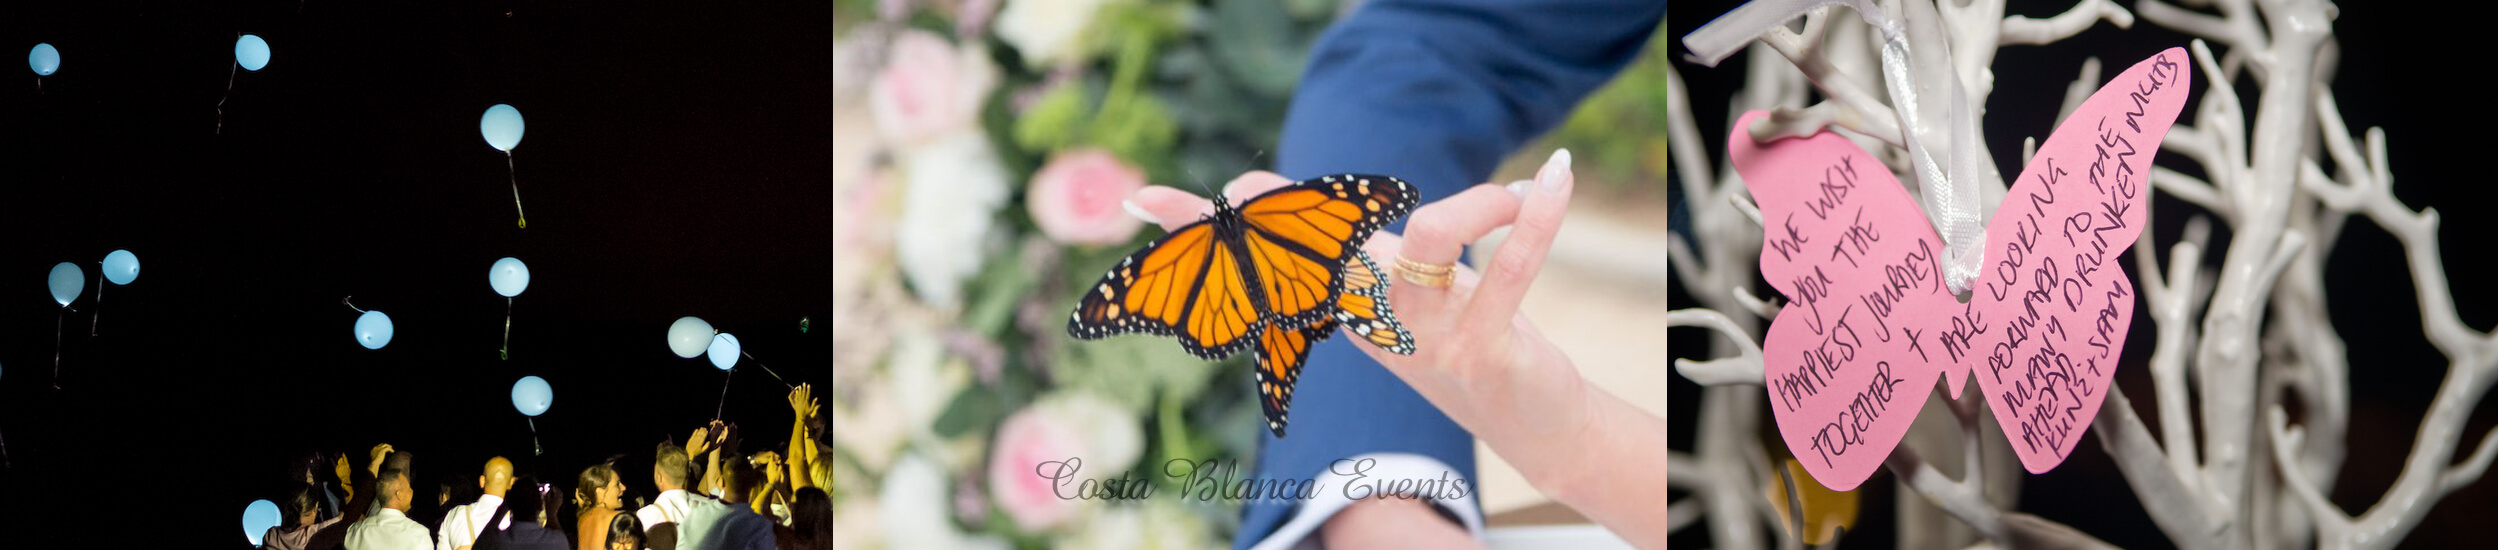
pixel 1138 211
pixel 1556 172
pixel 1518 188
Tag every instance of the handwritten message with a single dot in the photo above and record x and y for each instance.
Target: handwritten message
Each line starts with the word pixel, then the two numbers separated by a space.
pixel 1869 323
pixel 1848 358
pixel 2051 287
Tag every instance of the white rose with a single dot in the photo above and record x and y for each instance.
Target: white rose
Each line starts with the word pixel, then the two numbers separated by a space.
pixel 923 379
pixel 913 508
pixel 1045 30
pixel 954 189
pixel 1113 436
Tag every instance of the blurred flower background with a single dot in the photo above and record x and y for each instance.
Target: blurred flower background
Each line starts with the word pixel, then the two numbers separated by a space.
pixel 981 152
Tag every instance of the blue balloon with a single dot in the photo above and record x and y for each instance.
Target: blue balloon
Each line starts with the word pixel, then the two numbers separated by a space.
pixel 509 277
pixel 502 127
pixel 121 267
pixel 724 350
pixel 373 330
pixel 532 396
pixel 67 281
pixel 251 52
pixel 44 59
pixel 258 518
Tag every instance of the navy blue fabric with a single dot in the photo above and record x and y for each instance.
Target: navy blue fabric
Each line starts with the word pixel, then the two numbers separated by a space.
pixel 1436 92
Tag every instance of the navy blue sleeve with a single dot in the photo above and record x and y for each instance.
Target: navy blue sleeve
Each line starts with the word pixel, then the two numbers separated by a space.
pixel 1436 92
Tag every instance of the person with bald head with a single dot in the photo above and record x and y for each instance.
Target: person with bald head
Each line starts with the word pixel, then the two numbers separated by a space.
pixel 461 526
pixel 389 528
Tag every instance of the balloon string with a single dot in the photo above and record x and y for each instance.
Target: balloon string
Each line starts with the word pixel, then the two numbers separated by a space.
pixel 99 302
pixel 533 437
pixel 221 101
pixel 56 348
pixel 724 395
pixel 507 163
pixel 507 328
pixel 351 305
pixel 767 369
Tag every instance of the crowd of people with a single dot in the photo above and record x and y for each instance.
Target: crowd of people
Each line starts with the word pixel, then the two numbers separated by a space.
pixel 711 495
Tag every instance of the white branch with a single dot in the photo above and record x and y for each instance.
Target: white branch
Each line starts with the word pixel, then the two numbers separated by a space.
pixel 2079 91
pixel 2027 31
pixel 1799 123
pixel 1745 368
pixel 1754 304
pixel 1873 118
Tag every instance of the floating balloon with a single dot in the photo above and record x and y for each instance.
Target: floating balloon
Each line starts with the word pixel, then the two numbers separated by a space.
pixel 509 277
pixel 373 330
pixel 689 337
pixel 121 267
pixel 724 350
pixel 502 127
pixel 251 52
pixel 67 281
pixel 258 518
pixel 44 59
pixel 532 396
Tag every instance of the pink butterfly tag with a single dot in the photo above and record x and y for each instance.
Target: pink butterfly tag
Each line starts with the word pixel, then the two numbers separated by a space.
pixel 1869 324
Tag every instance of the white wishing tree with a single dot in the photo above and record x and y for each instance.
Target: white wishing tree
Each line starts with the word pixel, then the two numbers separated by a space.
pixel 2250 336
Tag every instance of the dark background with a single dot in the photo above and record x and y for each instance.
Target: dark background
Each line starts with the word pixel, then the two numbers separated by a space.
pixel 2394 369
pixel 676 163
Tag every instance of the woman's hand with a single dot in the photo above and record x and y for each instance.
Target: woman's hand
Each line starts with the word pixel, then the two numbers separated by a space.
pixel 379 452
pixel 1475 358
pixel 802 401
pixel 1483 364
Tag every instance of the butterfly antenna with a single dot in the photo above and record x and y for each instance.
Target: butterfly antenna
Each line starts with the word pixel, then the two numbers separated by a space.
pixel 1253 161
pixel 1201 182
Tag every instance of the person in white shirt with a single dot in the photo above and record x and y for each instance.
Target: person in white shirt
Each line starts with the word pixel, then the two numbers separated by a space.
pixel 660 518
pixel 461 526
pixel 389 529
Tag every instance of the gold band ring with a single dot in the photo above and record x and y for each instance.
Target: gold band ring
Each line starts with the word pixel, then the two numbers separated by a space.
pixel 1427 275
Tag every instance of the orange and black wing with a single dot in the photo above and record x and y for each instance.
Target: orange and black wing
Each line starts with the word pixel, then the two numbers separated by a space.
pixel 1363 308
pixel 1281 354
pixel 1299 237
pixel 1187 284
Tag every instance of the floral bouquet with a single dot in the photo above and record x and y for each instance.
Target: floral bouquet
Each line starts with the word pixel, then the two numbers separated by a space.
pixel 983 149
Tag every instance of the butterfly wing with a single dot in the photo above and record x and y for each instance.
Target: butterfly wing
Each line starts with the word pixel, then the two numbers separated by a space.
pixel 2050 284
pixel 1281 354
pixel 1187 284
pixel 1852 355
pixel 1363 307
pixel 1298 238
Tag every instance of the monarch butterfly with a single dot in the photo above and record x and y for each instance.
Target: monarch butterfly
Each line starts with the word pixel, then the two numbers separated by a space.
pixel 1281 271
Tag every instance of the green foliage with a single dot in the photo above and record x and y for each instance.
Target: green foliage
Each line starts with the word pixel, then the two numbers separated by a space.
pixel 1053 121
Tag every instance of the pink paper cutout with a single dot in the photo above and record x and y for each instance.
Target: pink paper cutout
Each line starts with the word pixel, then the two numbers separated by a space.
pixel 2052 287
pixel 1868 325
pixel 1847 370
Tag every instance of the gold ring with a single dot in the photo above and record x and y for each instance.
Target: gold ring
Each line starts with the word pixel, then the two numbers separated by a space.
pixel 1427 275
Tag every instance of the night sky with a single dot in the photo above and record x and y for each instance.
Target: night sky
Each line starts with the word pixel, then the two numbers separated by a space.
pixel 2434 150
pixel 676 163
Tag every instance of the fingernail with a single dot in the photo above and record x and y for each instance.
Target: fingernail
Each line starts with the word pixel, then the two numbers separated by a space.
pixel 1518 188
pixel 1138 211
pixel 1556 174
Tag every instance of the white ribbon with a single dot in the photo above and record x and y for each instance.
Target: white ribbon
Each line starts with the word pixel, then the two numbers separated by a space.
pixel 1951 199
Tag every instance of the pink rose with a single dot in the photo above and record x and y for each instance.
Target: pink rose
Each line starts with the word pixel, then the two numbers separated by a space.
pixel 1102 439
pixel 1027 440
pixel 1076 198
pixel 928 87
